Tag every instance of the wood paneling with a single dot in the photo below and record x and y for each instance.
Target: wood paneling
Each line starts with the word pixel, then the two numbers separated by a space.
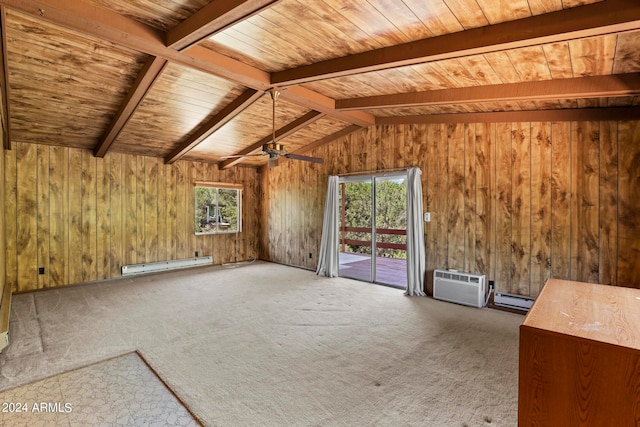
pixel 521 208
pixel 3 254
pixel 519 202
pixel 66 85
pixel 628 204
pixel 334 28
pixel 540 205
pixel 504 162
pixel 83 218
pixel 608 203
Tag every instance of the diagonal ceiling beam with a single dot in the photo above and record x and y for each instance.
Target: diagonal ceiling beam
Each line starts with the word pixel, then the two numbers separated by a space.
pixel 208 20
pixel 320 142
pixel 247 98
pixel 566 115
pixel 315 101
pixel 95 21
pixel 281 133
pixel 4 82
pixel 581 87
pixel 105 24
pixel 594 19
pixel 213 18
pixel 145 80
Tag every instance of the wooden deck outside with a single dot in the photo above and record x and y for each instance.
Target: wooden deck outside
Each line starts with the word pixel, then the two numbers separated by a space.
pixel 389 271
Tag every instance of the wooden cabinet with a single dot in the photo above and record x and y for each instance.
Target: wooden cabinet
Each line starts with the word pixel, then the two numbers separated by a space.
pixel 580 357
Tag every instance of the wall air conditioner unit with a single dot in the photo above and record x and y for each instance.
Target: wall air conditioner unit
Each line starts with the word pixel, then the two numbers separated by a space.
pixel 461 288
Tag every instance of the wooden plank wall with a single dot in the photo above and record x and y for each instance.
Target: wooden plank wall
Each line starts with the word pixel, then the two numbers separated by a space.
pixel 2 229
pixel 520 202
pixel 82 218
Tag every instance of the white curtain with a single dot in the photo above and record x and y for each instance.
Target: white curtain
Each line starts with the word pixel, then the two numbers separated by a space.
pixel 328 259
pixel 415 235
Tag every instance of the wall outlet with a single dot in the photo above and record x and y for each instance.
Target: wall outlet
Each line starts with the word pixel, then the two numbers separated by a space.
pixel 427 217
pixel 310 255
pixel 196 253
pixel 41 270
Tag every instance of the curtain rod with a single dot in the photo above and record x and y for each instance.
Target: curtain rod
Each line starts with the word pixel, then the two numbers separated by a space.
pixel 374 171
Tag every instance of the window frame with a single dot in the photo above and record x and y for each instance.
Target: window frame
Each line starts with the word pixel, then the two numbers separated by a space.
pixel 218 186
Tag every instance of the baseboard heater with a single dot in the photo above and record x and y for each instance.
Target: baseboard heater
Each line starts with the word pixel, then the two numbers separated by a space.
pixel 151 267
pixel 516 302
pixel 461 288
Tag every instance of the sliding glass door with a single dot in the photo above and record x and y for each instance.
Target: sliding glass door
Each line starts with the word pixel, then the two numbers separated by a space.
pixel 373 229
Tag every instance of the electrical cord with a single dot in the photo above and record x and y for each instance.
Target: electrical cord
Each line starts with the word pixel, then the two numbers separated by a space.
pixel 486 301
pixel 237 264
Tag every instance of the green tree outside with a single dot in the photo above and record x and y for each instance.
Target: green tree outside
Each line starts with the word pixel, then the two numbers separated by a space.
pixel 391 213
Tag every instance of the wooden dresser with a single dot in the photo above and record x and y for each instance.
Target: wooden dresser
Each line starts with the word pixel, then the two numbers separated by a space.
pixel 580 357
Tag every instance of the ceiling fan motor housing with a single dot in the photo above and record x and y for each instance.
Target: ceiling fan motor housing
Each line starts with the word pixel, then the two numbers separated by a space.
pixel 273 149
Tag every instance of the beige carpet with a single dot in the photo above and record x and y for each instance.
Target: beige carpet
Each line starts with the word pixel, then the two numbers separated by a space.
pixel 121 391
pixel 266 344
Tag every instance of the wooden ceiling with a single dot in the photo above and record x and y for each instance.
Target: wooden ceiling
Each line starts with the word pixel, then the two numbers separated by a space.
pixel 187 79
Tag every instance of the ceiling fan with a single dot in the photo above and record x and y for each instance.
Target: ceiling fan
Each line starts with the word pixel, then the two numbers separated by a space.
pixel 273 149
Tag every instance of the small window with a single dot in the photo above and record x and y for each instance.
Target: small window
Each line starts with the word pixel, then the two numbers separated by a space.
pixel 218 208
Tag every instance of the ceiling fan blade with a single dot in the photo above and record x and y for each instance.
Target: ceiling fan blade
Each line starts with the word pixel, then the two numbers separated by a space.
pixel 304 158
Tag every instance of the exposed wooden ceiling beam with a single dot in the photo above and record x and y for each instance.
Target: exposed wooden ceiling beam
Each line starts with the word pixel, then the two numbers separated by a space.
pixel 567 115
pixel 247 98
pixel 4 82
pixel 281 133
pixel 594 19
pixel 581 87
pixel 210 19
pixel 315 101
pixel 145 80
pixel 213 18
pixel 105 24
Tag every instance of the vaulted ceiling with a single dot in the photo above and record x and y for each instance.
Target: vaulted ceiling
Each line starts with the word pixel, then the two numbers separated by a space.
pixel 187 79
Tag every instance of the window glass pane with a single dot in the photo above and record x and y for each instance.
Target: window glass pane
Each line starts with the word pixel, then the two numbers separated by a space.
pixel 228 207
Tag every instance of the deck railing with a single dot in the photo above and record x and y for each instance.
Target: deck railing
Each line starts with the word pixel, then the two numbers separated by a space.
pixel 367 243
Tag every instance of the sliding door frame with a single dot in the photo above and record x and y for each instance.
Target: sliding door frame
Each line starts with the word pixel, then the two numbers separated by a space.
pixel 372 177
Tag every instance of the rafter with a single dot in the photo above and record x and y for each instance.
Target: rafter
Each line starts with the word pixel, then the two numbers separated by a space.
pixel 281 133
pixel 213 18
pixel 581 87
pixel 590 20
pixel 4 82
pixel 566 115
pixel 315 101
pixel 247 98
pixel 145 80
pixel 105 24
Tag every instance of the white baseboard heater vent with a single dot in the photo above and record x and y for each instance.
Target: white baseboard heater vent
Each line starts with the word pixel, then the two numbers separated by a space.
pixel 461 288
pixel 517 302
pixel 151 267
